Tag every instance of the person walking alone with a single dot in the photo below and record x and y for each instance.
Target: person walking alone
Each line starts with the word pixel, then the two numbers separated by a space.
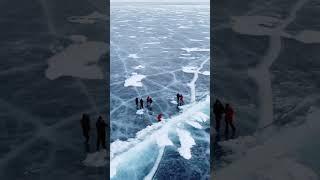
pixel 85 125
pixel 229 116
pixel 218 111
pixel 101 133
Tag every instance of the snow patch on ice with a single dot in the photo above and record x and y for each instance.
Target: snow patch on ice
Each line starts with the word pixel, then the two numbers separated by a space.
pixel 195 40
pixel 89 19
pixel 78 38
pixel 173 102
pixel 195 49
pixel 140 112
pixel 96 159
pixel 152 43
pixel 309 36
pixel 77 60
pixel 134 80
pixel 134 56
pixel 138 67
pixel 189 69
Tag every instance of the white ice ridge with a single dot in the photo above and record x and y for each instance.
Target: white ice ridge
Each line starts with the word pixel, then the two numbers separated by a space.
pixel 186 141
pixel 89 19
pixel 148 143
pixel 134 56
pixel 77 60
pixel 134 80
pixel 259 158
pixel 195 50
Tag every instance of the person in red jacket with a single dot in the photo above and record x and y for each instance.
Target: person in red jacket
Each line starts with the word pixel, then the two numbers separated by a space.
pixel 229 115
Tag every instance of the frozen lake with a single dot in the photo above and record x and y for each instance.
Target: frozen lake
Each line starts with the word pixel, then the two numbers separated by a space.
pixel 159 51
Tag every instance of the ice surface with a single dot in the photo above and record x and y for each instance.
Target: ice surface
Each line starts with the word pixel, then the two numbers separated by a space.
pixel 159 45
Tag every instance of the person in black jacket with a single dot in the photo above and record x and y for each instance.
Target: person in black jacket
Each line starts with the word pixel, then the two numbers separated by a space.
pixel 85 125
pixel 218 110
pixel 101 133
pixel 141 103
pixel 137 103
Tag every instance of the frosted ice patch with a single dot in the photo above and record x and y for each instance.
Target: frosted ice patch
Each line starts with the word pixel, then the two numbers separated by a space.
pixel 206 73
pixel 186 142
pixel 150 43
pixel 138 67
pixel 96 159
pixel 134 80
pixel 134 56
pixel 308 36
pixel 183 27
pixel 132 36
pixel 184 54
pixel 255 25
pixel 195 40
pixel 186 57
pixel 140 112
pixel 195 49
pixel 78 38
pixel 89 19
pixel 189 69
pixel 77 60
pixel 173 102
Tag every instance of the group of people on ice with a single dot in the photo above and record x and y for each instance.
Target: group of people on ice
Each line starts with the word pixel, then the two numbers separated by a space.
pixel 149 100
pixel 140 103
pixel 100 128
pixel 219 109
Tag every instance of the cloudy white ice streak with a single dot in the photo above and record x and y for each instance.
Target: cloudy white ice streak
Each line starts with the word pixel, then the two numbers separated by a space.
pixel 186 143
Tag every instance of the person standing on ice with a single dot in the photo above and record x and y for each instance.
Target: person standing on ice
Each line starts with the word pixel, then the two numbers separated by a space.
pixel 101 133
pixel 148 101
pixel 137 103
pixel 181 100
pixel 141 103
pixel 229 115
pixel 159 117
pixel 218 111
pixel 178 99
pixel 85 124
